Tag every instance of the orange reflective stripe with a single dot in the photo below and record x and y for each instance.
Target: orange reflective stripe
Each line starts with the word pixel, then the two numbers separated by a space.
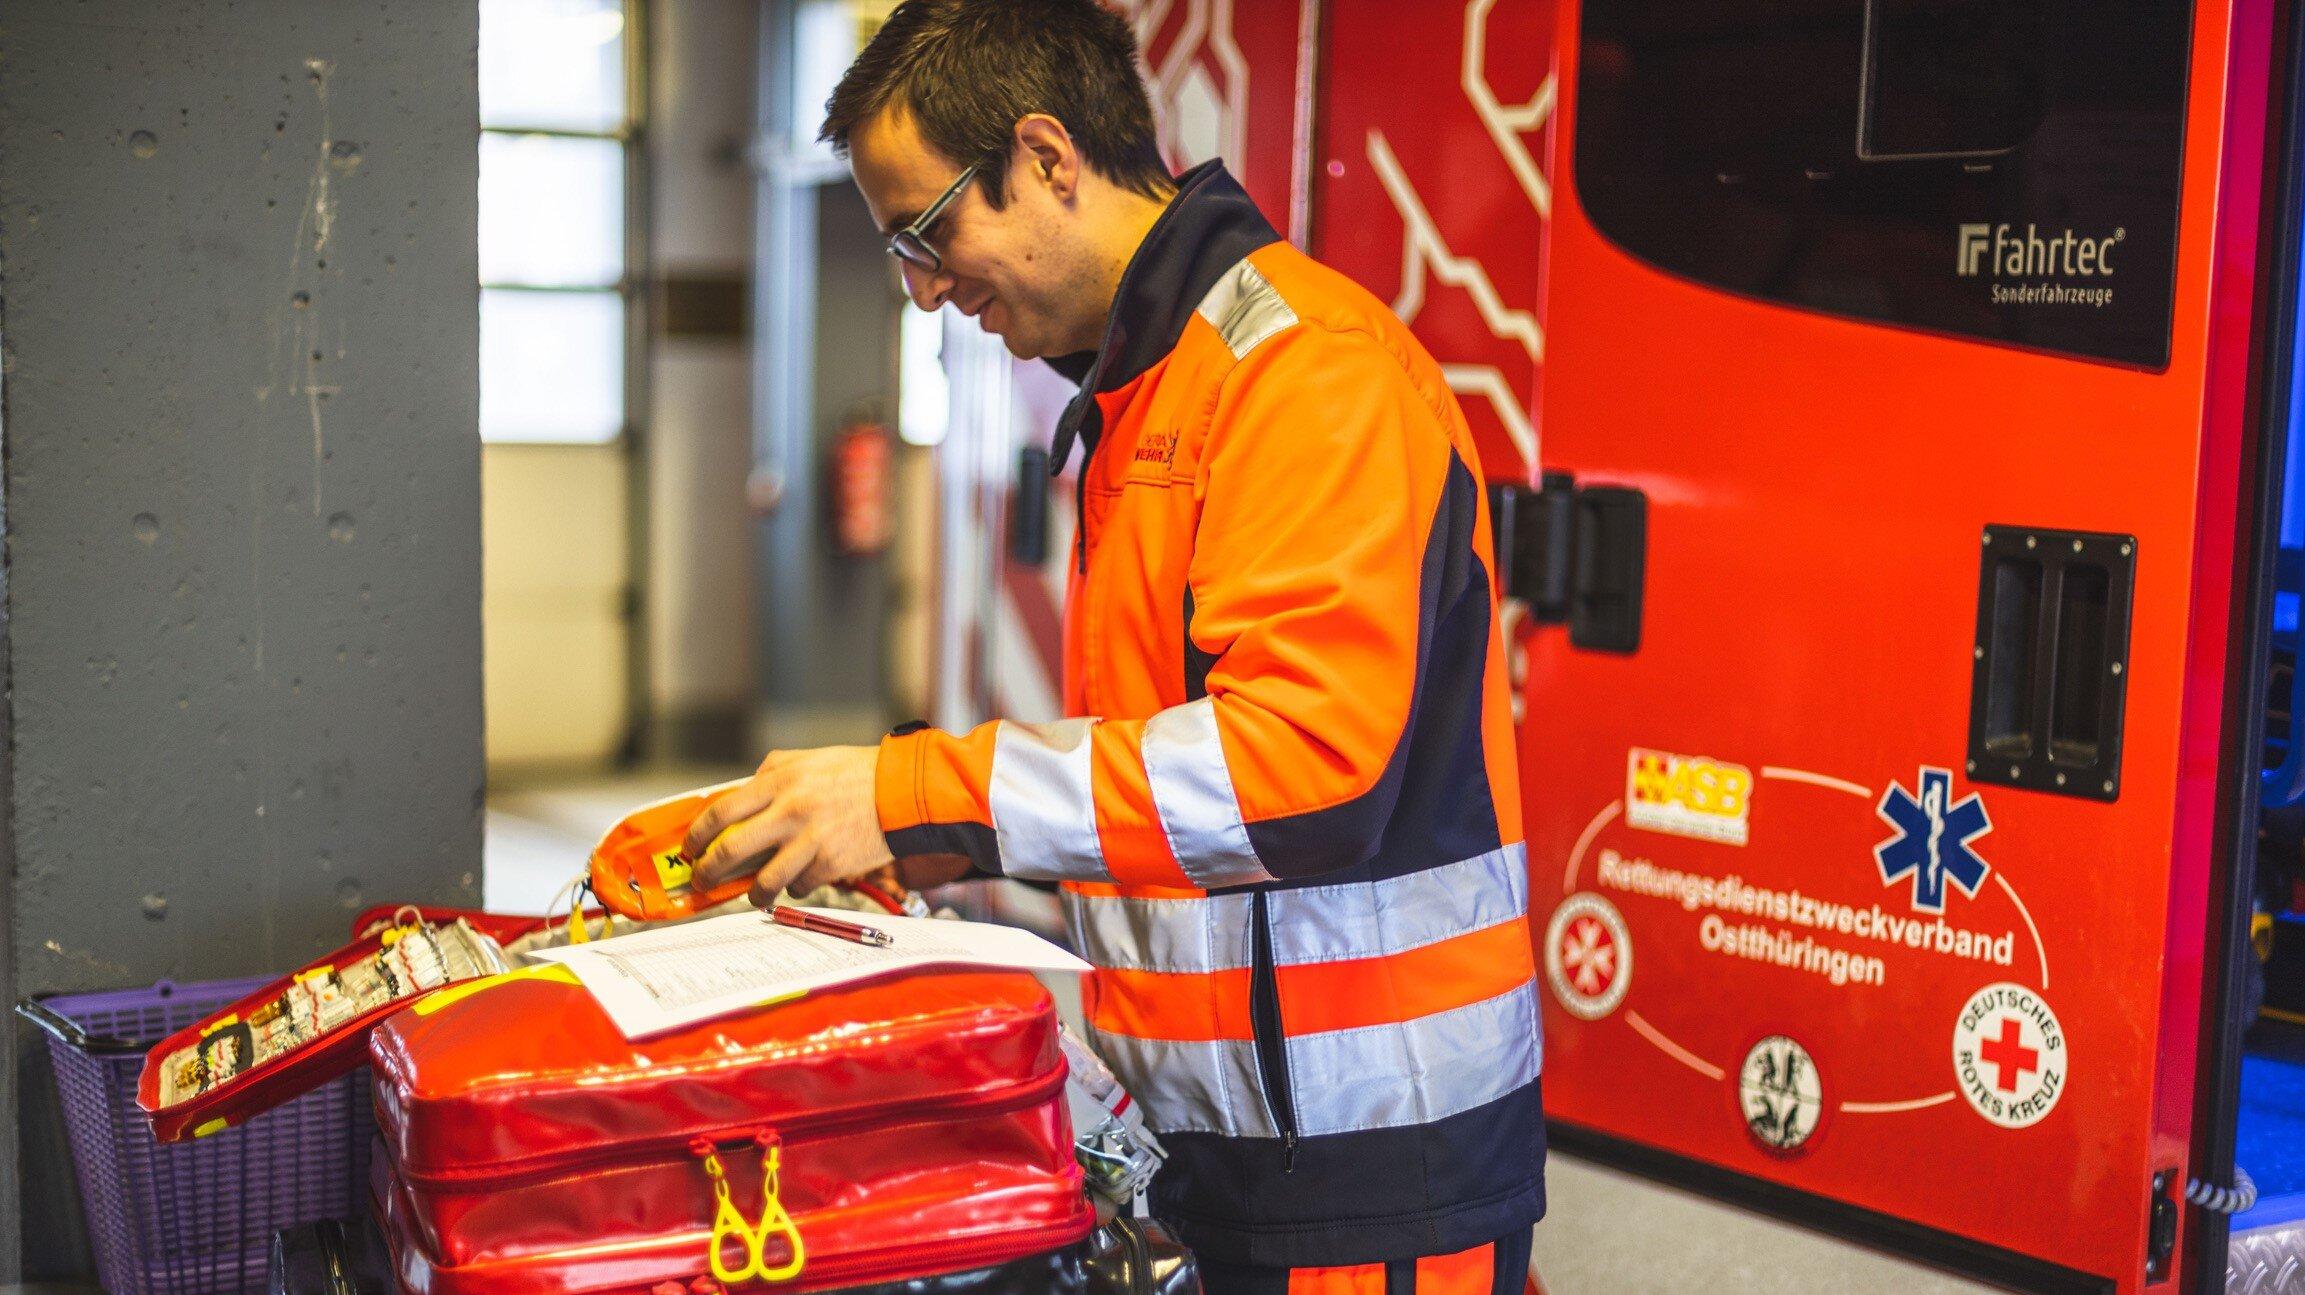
pixel 1187 1006
pixel 1323 996
pixel 1467 1272
pixel 1358 1279
pixel 1136 849
pixel 1470 968
pixel 1110 890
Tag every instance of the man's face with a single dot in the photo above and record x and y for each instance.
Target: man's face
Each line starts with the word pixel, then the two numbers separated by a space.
pixel 1007 269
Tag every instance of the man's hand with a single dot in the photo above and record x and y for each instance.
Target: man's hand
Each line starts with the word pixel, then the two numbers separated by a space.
pixel 807 819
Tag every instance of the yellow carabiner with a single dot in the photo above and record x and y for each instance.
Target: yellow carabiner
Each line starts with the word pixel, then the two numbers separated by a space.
pixel 727 1223
pixel 576 932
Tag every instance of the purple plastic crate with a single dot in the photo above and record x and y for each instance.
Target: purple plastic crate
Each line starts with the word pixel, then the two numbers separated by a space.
pixel 193 1217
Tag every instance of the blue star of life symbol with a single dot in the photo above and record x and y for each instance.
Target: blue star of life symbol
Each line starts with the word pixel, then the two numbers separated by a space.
pixel 1932 840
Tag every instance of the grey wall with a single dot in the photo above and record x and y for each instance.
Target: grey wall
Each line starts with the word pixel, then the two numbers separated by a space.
pixel 237 302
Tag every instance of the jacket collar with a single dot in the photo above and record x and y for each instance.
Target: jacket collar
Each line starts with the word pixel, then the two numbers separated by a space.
pixel 1205 231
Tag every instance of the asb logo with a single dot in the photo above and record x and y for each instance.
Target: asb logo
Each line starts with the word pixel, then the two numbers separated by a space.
pixel 1688 795
pixel 2009 1055
pixel 1588 956
pixel 1932 840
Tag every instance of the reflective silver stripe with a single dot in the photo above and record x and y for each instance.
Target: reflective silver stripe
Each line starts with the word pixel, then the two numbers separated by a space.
pixel 1370 919
pixel 1175 935
pixel 1185 763
pixel 1043 807
pixel 1245 309
pixel 1190 1086
pixel 1417 1071
pixel 1378 1077
pixel 1339 923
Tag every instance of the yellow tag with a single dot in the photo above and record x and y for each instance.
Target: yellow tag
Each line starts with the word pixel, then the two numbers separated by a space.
pixel 673 871
pixel 431 1003
pixel 315 975
pixel 390 937
pixel 220 1023
pixel 212 1126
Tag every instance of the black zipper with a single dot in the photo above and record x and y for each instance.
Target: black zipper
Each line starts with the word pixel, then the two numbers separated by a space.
pixel 1271 1041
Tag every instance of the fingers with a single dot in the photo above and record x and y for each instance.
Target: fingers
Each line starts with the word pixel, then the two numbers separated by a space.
pixel 741 803
pixel 745 846
pixel 779 875
pixel 822 870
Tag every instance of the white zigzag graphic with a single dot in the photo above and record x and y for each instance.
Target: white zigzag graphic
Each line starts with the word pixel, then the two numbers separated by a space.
pixel 1216 28
pixel 1423 250
pixel 1506 125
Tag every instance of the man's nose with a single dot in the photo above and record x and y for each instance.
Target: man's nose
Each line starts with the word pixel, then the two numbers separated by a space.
pixel 927 289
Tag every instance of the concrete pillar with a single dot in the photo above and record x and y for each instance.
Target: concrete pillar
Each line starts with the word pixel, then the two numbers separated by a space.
pixel 237 243
pixel 698 585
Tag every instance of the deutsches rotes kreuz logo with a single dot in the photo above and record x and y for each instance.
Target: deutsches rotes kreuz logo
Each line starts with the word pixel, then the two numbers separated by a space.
pixel 1932 840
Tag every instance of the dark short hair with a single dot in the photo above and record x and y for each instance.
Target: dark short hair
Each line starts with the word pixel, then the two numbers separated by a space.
pixel 968 70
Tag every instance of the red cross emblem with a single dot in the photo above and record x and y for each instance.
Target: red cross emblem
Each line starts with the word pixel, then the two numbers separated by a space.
pixel 2009 1057
pixel 1589 955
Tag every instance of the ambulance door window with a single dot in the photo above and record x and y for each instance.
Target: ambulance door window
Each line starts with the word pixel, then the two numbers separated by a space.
pixel 2005 170
pixel 1950 78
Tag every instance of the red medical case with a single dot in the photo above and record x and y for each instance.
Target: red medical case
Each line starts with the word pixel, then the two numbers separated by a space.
pixel 893 1130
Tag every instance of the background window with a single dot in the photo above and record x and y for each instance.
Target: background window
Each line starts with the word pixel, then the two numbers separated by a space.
pixel 554 145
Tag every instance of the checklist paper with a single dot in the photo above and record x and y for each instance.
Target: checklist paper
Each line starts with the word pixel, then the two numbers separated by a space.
pixel 653 981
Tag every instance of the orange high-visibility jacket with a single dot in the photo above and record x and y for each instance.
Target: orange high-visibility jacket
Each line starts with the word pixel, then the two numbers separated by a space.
pixel 1288 825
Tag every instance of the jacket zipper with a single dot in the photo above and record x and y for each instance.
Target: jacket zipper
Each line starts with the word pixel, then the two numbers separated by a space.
pixel 515 1173
pixel 1080 518
pixel 1271 1040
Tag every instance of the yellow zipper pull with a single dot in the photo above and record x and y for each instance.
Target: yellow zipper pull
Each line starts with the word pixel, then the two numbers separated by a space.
pixel 774 1220
pixel 728 1224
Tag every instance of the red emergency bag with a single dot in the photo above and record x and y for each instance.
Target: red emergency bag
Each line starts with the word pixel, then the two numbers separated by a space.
pixel 884 1132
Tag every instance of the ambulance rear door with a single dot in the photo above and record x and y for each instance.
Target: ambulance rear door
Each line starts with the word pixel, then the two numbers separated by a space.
pixel 1893 426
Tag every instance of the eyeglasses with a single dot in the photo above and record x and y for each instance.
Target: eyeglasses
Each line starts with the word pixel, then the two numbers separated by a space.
pixel 910 244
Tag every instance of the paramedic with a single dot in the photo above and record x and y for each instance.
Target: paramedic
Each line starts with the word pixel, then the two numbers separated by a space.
pixel 1286 821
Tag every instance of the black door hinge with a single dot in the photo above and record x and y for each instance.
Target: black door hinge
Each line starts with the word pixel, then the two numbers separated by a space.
pixel 1575 555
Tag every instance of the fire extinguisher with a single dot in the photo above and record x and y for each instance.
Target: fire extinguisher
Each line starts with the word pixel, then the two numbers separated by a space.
pixel 862 452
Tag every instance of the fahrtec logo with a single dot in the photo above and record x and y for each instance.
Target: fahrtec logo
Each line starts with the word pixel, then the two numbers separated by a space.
pixel 2002 252
pixel 1974 239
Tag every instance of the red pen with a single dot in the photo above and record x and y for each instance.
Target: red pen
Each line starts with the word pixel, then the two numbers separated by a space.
pixel 822 925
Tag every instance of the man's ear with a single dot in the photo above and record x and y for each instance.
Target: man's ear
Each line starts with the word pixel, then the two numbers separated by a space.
pixel 1051 158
